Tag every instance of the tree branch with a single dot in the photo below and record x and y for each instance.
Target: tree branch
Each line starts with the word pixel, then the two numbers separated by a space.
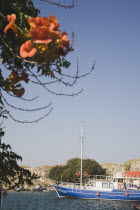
pixel 34 121
pixel 22 109
pixel 60 5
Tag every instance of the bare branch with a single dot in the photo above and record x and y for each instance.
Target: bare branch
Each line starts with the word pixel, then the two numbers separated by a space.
pixel 25 99
pixel 46 83
pixel 34 121
pixel 58 94
pixel 60 80
pixel 60 5
pixel 22 109
pixel 79 76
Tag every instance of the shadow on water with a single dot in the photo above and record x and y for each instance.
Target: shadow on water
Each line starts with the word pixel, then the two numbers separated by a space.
pixel 50 201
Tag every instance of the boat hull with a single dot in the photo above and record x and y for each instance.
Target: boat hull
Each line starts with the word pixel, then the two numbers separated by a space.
pixel 127 195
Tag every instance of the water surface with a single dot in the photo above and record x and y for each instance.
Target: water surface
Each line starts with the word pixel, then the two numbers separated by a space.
pixel 50 201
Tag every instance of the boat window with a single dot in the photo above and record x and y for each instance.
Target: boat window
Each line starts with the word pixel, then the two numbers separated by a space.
pixel 93 184
pixel 111 185
pixel 120 180
pixel 104 185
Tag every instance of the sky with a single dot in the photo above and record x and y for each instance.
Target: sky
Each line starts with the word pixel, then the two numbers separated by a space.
pixel 107 32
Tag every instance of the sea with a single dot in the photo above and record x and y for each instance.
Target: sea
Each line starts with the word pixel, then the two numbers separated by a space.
pixel 50 201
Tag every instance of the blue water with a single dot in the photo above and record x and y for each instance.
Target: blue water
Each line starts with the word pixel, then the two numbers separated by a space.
pixel 50 201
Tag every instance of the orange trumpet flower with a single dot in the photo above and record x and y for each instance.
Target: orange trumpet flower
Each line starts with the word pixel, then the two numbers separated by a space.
pixel 27 50
pixel 11 25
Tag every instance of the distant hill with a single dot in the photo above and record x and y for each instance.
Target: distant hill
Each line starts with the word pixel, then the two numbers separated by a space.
pixel 43 171
pixel 134 162
pixel 131 165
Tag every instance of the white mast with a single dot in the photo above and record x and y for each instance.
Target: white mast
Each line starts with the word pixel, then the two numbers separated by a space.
pixel 81 137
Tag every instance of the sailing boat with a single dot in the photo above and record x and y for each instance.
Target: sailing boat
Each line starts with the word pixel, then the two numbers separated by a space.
pixel 95 188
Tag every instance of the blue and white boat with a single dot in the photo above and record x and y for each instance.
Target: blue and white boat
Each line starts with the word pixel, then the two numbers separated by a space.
pixel 97 187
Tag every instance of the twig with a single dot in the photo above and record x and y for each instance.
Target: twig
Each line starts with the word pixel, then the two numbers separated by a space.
pixel 22 109
pixel 60 5
pixel 34 121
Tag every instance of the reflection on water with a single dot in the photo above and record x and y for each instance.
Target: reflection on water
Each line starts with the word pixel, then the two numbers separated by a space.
pixel 50 201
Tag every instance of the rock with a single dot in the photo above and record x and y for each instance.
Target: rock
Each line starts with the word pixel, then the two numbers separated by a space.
pixel 132 165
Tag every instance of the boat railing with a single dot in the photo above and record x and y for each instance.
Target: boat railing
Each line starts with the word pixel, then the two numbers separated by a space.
pixel 69 184
pixel 99 178
pixel 89 178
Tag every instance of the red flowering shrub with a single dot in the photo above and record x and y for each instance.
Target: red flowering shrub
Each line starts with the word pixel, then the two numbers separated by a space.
pixel 45 38
pixel 43 43
pixel 45 30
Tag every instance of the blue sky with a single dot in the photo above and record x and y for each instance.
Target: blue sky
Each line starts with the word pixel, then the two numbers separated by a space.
pixel 107 31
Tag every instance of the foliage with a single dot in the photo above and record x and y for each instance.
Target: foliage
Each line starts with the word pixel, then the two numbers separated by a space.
pixel 37 39
pixel 68 172
pixel 32 50
pixel 11 174
pixel 127 167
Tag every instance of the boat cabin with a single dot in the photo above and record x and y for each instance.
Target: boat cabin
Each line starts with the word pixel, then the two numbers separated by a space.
pixel 101 185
